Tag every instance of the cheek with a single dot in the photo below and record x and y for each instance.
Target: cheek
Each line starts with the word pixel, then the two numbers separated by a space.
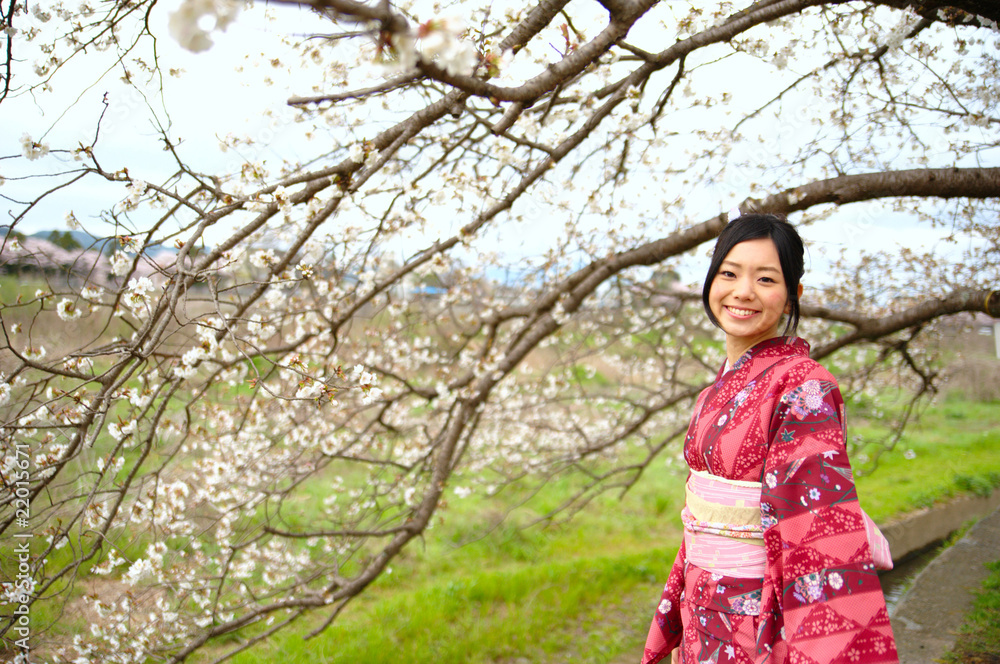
pixel 712 292
pixel 782 304
pixel 715 297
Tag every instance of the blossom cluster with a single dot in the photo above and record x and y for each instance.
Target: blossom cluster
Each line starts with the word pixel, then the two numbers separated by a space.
pixel 438 40
pixel 188 23
pixel 32 149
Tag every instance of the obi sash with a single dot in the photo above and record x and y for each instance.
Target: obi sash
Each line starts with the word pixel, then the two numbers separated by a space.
pixel 722 527
pixel 723 532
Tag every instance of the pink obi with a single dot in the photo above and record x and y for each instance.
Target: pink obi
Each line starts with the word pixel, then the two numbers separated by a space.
pixel 723 532
pixel 722 527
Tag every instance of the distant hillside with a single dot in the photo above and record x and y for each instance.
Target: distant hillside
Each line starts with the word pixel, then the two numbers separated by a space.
pixel 67 239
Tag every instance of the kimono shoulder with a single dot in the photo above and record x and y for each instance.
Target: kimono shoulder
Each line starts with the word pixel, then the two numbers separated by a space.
pixel 808 414
pixel 734 423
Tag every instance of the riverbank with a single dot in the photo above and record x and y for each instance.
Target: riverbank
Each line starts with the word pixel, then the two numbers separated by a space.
pixel 918 530
pixel 927 618
pixel 978 640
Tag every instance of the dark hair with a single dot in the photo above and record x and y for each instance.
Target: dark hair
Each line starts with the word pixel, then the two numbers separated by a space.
pixel 790 254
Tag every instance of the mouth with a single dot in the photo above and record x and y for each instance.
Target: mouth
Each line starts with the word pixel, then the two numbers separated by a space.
pixel 740 313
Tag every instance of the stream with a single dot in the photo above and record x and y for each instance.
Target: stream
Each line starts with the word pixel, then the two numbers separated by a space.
pixel 897 581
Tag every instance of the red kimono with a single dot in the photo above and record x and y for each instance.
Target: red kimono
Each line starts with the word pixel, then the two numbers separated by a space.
pixel 776 417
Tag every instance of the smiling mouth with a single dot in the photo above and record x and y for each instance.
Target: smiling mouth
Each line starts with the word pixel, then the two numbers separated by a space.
pixel 740 312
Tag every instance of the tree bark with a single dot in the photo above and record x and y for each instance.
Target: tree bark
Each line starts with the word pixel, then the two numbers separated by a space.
pixel 978 183
pixel 953 12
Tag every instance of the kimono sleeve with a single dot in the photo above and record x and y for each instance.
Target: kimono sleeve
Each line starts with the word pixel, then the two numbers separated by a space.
pixel 666 629
pixel 827 600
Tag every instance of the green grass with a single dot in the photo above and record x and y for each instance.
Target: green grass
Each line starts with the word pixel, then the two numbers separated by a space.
pixel 951 450
pixel 979 638
pixel 535 612
pixel 590 377
pixel 480 588
pixel 14 286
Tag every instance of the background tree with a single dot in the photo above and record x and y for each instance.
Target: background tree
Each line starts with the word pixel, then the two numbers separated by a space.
pixel 168 422
pixel 64 240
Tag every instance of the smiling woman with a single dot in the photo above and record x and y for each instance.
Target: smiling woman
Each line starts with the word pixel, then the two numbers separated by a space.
pixel 753 280
pixel 748 295
pixel 778 560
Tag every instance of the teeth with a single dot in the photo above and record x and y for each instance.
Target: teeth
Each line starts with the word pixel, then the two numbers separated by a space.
pixel 741 312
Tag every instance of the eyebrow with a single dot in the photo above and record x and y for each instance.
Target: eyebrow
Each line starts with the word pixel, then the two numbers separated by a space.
pixel 765 268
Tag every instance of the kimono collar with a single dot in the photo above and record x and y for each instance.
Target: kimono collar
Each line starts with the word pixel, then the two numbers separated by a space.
pixel 776 347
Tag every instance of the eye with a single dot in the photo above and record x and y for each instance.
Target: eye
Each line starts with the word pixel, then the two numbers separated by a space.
pixel 726 273
pixel 768 280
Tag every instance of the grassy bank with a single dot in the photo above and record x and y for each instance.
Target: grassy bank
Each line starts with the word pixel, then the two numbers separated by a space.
pixel 979 639
pixel 585 591
pixel 592 608
pixel 951 450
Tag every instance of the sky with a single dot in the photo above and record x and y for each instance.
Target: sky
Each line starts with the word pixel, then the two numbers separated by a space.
pixel 208 101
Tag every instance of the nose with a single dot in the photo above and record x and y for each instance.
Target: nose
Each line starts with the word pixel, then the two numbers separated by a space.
pixel 743 288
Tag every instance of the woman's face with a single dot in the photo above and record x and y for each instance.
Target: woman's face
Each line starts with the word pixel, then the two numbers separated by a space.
pixel 748 294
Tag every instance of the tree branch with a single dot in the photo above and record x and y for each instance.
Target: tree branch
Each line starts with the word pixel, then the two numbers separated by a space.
pixel 952 12
pixel 869 329
pixel 358 12
pixel 980 183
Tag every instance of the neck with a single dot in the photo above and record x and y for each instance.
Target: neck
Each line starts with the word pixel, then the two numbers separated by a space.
pixel 737 346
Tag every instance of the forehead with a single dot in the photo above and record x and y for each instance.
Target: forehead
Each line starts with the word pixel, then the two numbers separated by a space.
pixel 757 253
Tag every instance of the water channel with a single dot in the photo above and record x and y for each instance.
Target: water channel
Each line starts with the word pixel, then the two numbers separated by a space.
pixel 896 581
pixel 923 536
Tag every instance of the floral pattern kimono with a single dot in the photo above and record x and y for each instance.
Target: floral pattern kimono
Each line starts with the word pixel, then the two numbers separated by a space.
pixel 777 417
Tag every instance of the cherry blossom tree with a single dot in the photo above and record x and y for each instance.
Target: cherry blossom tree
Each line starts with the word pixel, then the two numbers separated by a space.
pixel 450 282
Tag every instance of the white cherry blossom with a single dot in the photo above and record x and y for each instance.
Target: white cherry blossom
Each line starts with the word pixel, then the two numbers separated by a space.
pixel 32 149
pixel 188 23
